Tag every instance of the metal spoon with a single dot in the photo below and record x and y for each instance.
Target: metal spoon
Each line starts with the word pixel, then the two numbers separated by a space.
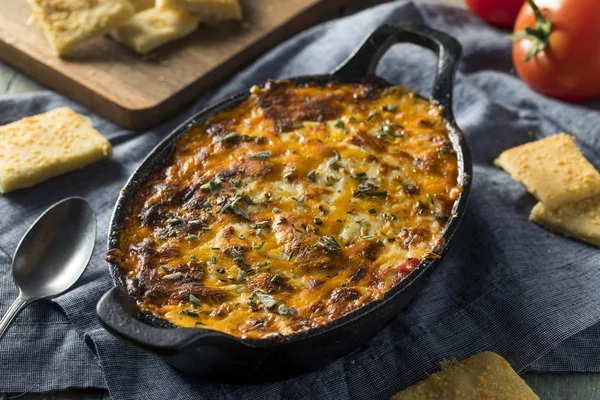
pixel 52 255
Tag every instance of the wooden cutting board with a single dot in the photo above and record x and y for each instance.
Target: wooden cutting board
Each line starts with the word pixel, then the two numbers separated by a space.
pixel 140 92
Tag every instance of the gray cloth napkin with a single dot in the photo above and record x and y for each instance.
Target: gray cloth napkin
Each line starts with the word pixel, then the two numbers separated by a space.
pixel 506 285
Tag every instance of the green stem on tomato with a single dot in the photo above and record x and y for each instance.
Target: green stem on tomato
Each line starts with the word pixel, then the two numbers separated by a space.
pixel 539 34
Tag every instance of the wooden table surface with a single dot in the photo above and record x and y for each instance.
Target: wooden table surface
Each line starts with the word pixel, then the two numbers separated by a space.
pixel 548 386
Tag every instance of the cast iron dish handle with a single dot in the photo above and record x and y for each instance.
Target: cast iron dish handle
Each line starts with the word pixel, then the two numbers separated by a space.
pixel 117 312
pixel 364 60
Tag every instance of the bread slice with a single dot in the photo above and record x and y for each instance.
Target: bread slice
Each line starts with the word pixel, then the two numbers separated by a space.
pixel 153 28
pixel 482 376
pixel 206 10
pixel 577 220
pixel 67 23
pixel 553 170
pixel 141 5
pixel 36 148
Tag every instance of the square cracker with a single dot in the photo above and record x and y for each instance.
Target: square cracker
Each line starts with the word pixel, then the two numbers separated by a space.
pixel 36 148
pixel 577 220
pixel 67 23
pixel 154 27
pixel 482 376
pixel 206 10
pixel 553 170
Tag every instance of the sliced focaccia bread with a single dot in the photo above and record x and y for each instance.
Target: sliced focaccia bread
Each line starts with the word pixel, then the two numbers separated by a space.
pixel 206 10
pixel 153 28
pixel 553 170
pixel 577 220
pixel 36 148
pixel 482 376
pixel 67 23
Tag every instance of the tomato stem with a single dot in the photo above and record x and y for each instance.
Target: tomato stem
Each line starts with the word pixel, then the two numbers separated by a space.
pixel 539 34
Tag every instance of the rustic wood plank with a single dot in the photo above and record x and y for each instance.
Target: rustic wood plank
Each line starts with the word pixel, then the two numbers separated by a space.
pixel 138 92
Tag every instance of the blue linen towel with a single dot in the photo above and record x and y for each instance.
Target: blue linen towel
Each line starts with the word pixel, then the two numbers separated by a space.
pixel 506 285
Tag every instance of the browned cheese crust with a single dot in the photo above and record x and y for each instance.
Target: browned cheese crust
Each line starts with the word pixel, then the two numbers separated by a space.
pixel 291 210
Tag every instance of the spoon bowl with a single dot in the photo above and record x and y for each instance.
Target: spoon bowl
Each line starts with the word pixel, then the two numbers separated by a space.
pixel 53 254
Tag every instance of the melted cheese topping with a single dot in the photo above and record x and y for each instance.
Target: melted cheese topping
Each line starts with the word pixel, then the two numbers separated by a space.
pixel 290 210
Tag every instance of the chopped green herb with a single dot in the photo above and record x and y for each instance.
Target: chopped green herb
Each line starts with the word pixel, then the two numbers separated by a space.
pixel 207 204
pixel 167 268
pixel 390 108
pixel 236 182
pixel 258 246
pixel 312 175
pixel 371 114
pixel 318 221
pixel 291 255
pixel 430 198
pixel 206 228
pixel 440 216
pixel 194 300
pixel 241 275
pixel 368 189
pixel 283 310
pixel 336 157
pixel 289 172
pixel 189 312
pixel 195 222
pixel 361 176
pixel 215 248
pixel 328 244
pixel 191 237
pixel 445 149
pixel 230 137
pixel 339 123
pixel 266 299
pixel 213 259
pixel 372 211
pixel 252 303
pixel 275 210
pixel 380 242
pixel 174 221
pixel 344 284
pixel 411 189
pixel 241 236
pixel 262 155
pixel 175 276
pixel 263 264
pixel 261 225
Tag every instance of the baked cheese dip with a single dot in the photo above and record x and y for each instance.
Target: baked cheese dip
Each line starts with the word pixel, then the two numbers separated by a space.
pixel 294 208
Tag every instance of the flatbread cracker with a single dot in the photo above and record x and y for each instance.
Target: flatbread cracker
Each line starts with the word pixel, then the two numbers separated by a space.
pixel 553 170
pixel 153 28
pixel 67 23
pixel 206 10
pixel 482 376
pixel 578 220
pixel 36 148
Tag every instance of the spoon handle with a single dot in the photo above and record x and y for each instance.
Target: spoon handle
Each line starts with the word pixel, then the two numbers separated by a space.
pixel 13 311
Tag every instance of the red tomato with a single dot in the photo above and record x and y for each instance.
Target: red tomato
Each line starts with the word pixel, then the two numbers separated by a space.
pixel 560 56
pixel 501 13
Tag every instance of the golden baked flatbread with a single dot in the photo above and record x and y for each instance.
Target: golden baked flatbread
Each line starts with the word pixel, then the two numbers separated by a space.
pixel 206 10
pixel 36 148
pixel 153 28
pixel 67 23
pixel 553 170
pixel 482 376
pixel 577 220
